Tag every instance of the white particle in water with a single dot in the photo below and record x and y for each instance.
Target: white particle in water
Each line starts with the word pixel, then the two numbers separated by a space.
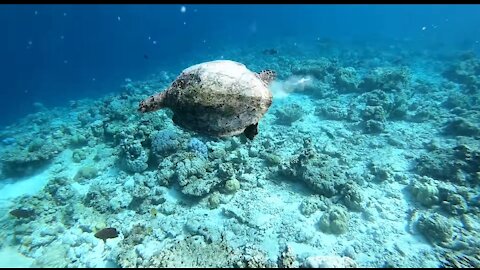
pixel 183 9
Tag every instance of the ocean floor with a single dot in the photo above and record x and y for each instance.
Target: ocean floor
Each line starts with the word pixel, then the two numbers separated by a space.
pixel 368 157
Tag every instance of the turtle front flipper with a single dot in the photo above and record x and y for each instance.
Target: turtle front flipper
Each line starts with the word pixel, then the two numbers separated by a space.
pixel 153 103
pixel 251 131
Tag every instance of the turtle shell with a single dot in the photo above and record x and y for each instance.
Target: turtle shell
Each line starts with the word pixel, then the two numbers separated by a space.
pixel 219 98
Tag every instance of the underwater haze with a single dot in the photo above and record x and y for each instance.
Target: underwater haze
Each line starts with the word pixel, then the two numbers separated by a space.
pixel 367 152
pixel 54 53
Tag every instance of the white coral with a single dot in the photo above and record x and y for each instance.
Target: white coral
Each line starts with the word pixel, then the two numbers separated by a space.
pixel 329 262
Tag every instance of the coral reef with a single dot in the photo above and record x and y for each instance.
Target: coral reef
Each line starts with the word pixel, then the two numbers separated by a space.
pixel 386 79
pixel 289 113
pixel 312 205
pixel 232 185
pixel 335 220
pixel 165 142
pixel 425 191
pixel 198 147
pixel 436 228
pixel 346 79
pixel 352 196
pixel 461 127
pixel 455 204
pixel 287 259
pixel 320 172
pixel 318 68
pixel 466 71
pixel 391 143
pixel 332 111
pixel 23 159
pixel 458 164
pixel 86 173
pixel 134 156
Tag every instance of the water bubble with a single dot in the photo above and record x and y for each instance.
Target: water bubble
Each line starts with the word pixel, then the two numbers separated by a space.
pixel 30 42
pixel 64 14
pixel 154 42
pixel 118 18
pixel 424 28
pixel 204 41
pixel 36 12
pixel 183 9
pixel 62 37
pixel 149 37
pixel 65 61
pixel 184 23
pixel 93 79
pixel 195 10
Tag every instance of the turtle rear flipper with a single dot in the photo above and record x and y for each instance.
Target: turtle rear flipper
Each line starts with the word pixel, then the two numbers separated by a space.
pixel 267 76
pixel 251 131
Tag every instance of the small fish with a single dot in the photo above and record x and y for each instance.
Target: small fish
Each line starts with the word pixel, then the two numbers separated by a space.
pixel 22 213
pixel 106 233
pixel 270 52
pixel 8 141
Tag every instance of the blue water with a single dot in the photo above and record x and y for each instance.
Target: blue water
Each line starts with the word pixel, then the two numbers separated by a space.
pixel 366 155
pixel 53 53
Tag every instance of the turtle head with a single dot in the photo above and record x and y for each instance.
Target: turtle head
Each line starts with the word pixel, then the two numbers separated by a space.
pixel 153 103
pixel 267 76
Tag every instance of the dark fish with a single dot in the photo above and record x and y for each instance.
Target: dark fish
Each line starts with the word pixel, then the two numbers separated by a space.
pixel 22 213
pixel 145 56
pixel 106 233
pixel 270 52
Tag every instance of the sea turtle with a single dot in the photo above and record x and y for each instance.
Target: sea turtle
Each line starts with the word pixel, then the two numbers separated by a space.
pixel 218 98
